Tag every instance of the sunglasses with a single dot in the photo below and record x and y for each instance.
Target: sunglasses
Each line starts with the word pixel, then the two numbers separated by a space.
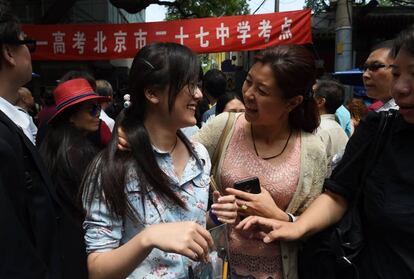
pixel 373 67
pixel 95 110
pixel 29 43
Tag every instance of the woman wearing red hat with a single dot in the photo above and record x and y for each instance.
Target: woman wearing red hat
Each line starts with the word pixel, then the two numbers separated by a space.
pixel 66 149
pixel 146 207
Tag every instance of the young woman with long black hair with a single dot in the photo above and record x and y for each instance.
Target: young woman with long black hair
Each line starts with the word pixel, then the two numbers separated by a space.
pixel 66 149
pixel 148 204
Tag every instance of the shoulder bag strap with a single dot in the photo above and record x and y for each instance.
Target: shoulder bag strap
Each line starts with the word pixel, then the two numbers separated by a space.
pixel 219 150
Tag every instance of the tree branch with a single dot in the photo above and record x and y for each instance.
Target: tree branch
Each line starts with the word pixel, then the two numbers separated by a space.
pixel 177 5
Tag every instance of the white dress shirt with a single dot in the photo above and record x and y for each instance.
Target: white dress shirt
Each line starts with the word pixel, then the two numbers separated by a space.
pixel 108 121
pixel 18 117
pixel 388 105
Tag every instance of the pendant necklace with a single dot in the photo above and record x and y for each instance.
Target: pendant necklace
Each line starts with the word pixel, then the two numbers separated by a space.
pixel 271 157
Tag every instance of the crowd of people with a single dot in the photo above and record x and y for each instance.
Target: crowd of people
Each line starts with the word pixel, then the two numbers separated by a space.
pixel 86 193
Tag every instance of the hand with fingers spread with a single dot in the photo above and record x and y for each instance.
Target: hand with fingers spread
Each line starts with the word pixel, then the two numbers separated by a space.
pixel 270 230
pixel 224 207
pixel 261 204
pixel 185 238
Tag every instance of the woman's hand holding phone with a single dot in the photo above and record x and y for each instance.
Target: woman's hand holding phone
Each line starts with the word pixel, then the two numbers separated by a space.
pixel 261 204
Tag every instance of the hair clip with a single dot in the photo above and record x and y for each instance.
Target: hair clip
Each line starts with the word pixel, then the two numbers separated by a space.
pixel 127 99
pixel 146 62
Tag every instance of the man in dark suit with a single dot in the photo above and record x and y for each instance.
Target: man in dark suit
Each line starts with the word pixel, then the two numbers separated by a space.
pixel 35 233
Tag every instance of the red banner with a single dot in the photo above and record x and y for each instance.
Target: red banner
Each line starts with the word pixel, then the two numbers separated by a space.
pixel 204 35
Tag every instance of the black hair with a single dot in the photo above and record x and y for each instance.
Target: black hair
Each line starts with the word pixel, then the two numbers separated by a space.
pixel 294 71
pixel 224 99
pixel 404 40
pixel 333 92
pixel 66 152
pixel 47 97
pixel 200 74
pixel 203 104
pixel 388 44
pixel 79 74
pixel 10 28
pixel 158 66
pixel 214 83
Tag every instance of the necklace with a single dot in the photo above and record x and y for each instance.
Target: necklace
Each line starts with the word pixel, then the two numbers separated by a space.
pixel 173 148
pixel 271 157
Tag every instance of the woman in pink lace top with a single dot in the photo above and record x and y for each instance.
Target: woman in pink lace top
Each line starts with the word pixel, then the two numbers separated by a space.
pixel 272 140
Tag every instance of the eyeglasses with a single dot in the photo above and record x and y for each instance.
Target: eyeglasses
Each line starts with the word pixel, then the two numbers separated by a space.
pixel 95 110
pixel 29 43
pixel 193 89
pixel 373 67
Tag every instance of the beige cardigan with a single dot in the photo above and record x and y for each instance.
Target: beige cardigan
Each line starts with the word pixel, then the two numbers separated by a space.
pixel 313 164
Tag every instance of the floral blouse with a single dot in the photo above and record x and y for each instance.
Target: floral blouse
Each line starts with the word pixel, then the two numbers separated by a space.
pixel 103 233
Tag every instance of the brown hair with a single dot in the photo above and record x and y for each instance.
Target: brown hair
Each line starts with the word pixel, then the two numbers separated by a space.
pixel 357 108
pixel 294 70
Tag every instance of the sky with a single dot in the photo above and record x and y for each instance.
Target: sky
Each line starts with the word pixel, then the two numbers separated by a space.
pixel 157 12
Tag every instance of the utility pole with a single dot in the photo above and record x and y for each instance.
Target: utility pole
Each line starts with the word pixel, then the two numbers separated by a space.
pixel 276 6
pixel 343 38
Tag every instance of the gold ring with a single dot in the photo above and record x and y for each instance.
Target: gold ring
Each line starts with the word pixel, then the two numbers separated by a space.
pixel 244 207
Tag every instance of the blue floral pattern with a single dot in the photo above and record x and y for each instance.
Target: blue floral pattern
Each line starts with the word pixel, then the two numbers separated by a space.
pixel 104 233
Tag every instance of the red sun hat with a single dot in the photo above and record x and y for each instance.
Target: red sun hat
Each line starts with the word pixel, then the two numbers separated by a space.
pixel 73 92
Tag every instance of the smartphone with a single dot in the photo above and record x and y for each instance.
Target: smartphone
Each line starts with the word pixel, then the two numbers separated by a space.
pixel 249 185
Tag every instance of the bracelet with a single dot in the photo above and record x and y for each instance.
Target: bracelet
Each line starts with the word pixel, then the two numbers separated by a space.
pixel 213 218
pixel 292 218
